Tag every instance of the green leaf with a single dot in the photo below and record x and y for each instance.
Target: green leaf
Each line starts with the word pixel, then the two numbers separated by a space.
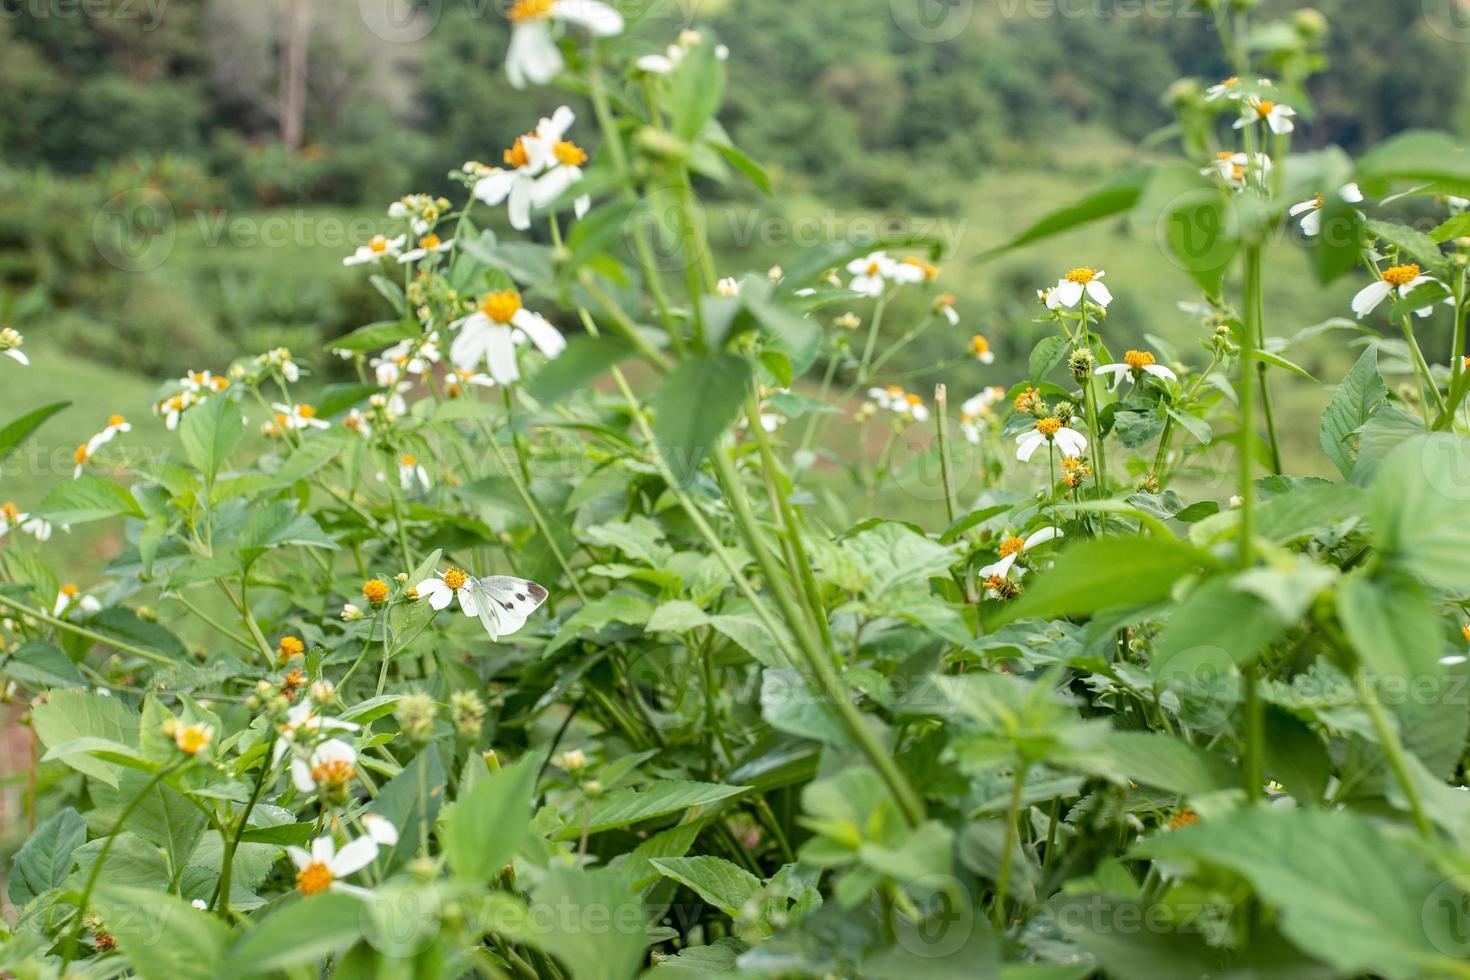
pixel 1412 242
pixel 297 934
pixel 585 360
pixel 1139 571
pixel 1417 155
pixel 337 398
pixel 1417 506
pixel 694 407
pixel 624 807
pixel 162 935
pixel 411 801
pixel 123 624
pixel 485 827
pixel 1456 227
pixel 1113 198
pixel 45 859
pixel 1166 762
pixel 1391 625
pixel 1050 351
pixel 1356 399
pixel 40 665
pixel 70 715
pixel 16 432
pixel 713 879
pixel 591 921
pixel 891 557
pixel 1296 757
pixel 1216 630
pixel 1344 891
pixel 1281 362
pixel 376 336
pixel 696 87
pixel 88 498
pixel 210 433
pixel 1195 220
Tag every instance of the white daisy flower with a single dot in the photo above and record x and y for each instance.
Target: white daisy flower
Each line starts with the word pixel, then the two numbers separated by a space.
pixel 10 344
pixel 323 867
pixel 203 383
pixel 563 163
pixel 1311 211
pixel 1050 430
pixel 428 245
pixel 411 473
pixel 1275 115
pixel 1236 168
pixel 980 350
pixel 444 588
pixel 1077 283
pixel 664 64
pixel 12 517
pixel 1011 548
pixel 331 764
pixel 1134 364
pixel 728 287
pixel 533 55
pixel 488 335
pixel 295 418
pixel 379 828
pixel 280 359
pixel 454 384
pixel 358 422
pixel 68 596
pixel 944 306
pixel 872 273
pixel 303 725
pixel 1400 279
pixel 1228 88
pixel 380 247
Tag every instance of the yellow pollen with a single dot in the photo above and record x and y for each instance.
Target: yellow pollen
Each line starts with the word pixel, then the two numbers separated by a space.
pixel 1264 107
pixel 375 590
pixel 192 739
pixel 379 244
pixel 409 459
pixel 1225 155
pixel 429 241
pixel 873 268
pixel 82 454
pixel 1231 82
pixel 1082 275
pixel 290 647
pixel 1048 427
pixel 455 578
pixel 1137 359
pixel 979 345
pixel 313 879
pixel 1465 632
pixel 1401 275
pixel 219 384
pixel 282 421
pixel 113 421
pixel 1318 199
pixel 69 590
pixel 516 156
pixel 524 10
pixel 306 411
pixel 9 511
pixel 569 153
pixel 913 399
pixel 335 772
pixel 1183 818
pixel 1011 546
pixel 501 306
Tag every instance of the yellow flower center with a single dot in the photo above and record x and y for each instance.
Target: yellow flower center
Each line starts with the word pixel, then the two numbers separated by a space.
pixel 375 590
pixel 569 153
pixel 290 647
pixel 82 454
pixel 516 156
pixel 524 10
pixel 306 411
pixel 1465 631
pixel 379 244
pixel 1231 82
pixel 191 739
pixel 113 421
pixel 429 241
pixel 9 511
pixel 409 459
pixel 1401 275
pixel 1082 275
pixel 931 271
pixel 1048 427
pixel 455 578
pixel 1264 107
pixel 1137 359
pixel 1317 201
pixel 979 345
pixel 501 306
pixel 69 590
pixel 1011 546
pixel 314 879
pixel 913 399
pixel 333 772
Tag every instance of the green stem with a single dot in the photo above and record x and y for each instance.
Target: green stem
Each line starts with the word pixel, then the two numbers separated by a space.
pixel 62 624
pixel 1394 750
pixel 1003 879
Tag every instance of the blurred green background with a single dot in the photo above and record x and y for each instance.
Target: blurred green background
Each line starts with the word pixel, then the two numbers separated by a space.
pixel 270 138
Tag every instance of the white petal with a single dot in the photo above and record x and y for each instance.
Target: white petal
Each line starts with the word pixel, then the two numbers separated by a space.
pixel 1351 193
pixel 533 56
pixel 301 776
pixel 495 187
pixel 299 857
pixel 17 356
pixel 1040 537
pixel 1001 568
pixel 1159 371
pixel 552 184
pixel 1070 442
pixel 353 857
pixel 1312 223
pixel 500 354
pixel 380 829
pixel 323 850
pixel 596 16
pixel 1302 206
pixel 582 205
pixel 1370 296
pixel 1099 293
pixel 551 130
pixel 519 207
pixel 1067 292
pixel 547 338
pixel 1028 444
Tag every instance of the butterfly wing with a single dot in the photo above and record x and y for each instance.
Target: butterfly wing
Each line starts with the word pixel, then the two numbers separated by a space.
pixel 504 603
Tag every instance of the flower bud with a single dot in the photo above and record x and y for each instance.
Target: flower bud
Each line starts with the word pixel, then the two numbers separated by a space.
pixel 415 715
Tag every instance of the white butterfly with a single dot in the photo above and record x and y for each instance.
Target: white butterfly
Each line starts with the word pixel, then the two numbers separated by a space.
pixel 503 603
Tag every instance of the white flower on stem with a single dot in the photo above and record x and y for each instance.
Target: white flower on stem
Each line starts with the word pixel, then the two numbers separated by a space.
pixel 1400 279
pixel 1273 114
pixel 296 418
pixel 488 335
pixel 533 55
pixel 664 64
pixel 1050 431
pixel 513 183
pixel 1077 283
pixel 358 422
pixel 12 517
pixel 280 359
pixel 1236 168
pixel 872 273
pixel 332 764
pixel 455 382
pixel 10 343
pixel 980 350
pixel 1311 211
pixel 411 473
pixel 1228 88
pixel 379 247
pixel 563 161
pixel 728 287
pixel 444 588
pixel 303 725
pixel 323 867
pixel 1011 548
pixel 69 596
pixel 428 245
pixel 944 306
pixel 406 357
pixel 975 409
pixel 203 383
pixel 380 829
pixel 502 602
pixel 173 408
pixel 1135 364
